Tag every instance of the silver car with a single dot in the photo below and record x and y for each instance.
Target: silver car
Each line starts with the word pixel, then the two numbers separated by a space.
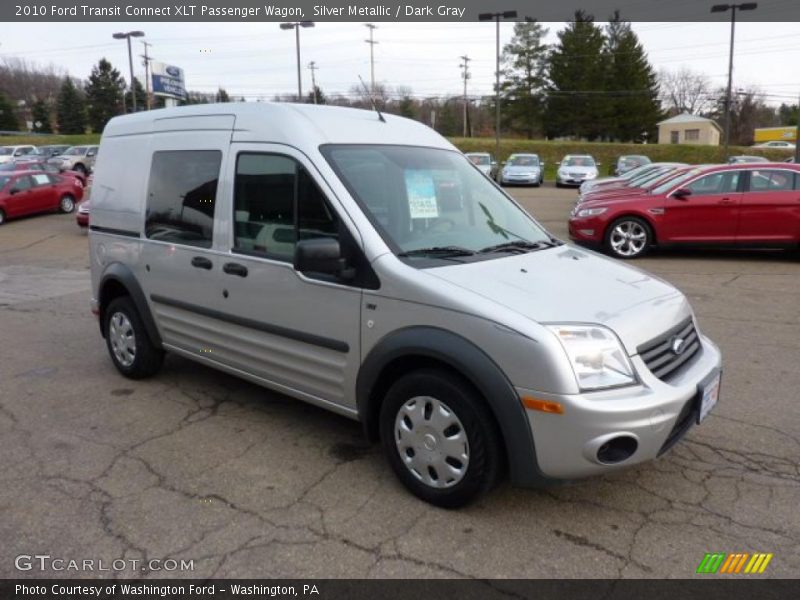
pixel 575 169
pixel 484 162
pixel 522 169
pixel 76 158
pixel 362 264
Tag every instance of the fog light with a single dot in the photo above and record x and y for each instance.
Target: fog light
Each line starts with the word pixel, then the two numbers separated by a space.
pixel 616 450
pixel 586 231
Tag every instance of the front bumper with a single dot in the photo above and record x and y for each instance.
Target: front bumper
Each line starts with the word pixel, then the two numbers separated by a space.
pixel 653 413
pixel 520 179
pixel 586 230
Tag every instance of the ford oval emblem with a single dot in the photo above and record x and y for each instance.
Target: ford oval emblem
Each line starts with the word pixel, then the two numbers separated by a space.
pixel 173 71
pixel 678 345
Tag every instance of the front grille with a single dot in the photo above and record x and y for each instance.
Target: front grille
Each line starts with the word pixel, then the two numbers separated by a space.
pixel 660 356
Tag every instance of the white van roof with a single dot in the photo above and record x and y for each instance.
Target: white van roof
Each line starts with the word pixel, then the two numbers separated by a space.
pixel 304 126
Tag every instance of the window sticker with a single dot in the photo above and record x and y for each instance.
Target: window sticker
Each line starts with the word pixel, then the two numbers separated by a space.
pixel 421 195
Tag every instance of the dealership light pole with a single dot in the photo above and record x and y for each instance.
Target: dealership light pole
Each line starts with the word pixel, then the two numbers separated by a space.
pixel 128 35
pixel 496 16
pixel 296 25
pixel 719 8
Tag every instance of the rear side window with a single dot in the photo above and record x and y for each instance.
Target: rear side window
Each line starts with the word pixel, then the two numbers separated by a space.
pixel 276 202
pixel 41 179
pixel 181 196
pixel 763 180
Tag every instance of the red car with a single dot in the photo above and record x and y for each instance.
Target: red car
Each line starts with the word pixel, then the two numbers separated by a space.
pixel 29 192
pixel 755 205
pixel 39 165
pixel 82 214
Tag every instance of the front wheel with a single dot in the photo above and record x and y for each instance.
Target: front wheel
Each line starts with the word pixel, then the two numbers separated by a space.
pixel 131 349
pixel 628 237
pixel 67 204
pixel 2 217
pixel 440 438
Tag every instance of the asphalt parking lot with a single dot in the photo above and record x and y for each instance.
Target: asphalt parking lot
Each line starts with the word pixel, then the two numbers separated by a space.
pixel 198 465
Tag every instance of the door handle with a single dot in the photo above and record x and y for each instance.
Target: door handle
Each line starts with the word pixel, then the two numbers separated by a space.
pixel 726 201
pixel 202 262
pixel 235 269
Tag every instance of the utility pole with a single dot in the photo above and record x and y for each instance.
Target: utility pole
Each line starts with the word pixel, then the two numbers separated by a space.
pixel 497 16
pixel 720 8
pixel 371 43
pixel 313 66
pixel 465 76
pixel 146 61
pixel 296 25
pixel 127 36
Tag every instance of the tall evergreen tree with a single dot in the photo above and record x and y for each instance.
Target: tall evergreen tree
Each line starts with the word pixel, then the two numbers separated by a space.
pixel 71 109
pixel 320 96
pixel 576 101
pixel 141 96
pixel 104 92
pixel 222 96
pixel 524 65
pixel 8 118
pixel 41 117
pixel 632 106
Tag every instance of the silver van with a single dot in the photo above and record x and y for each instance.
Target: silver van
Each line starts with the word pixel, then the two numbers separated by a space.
pixel 361 263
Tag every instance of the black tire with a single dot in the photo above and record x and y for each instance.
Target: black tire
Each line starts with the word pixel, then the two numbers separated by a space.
pixel 2 216
pixel 147 359
pixel 558 184
pixel 67 204
pixel 484 449
pixel 637 246
pixel 80 168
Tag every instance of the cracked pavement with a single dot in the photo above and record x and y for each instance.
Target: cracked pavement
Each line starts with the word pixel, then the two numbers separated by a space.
pixel 197 465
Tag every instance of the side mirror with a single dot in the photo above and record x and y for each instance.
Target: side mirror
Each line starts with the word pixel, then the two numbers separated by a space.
pixel 682 193
pixel 320 255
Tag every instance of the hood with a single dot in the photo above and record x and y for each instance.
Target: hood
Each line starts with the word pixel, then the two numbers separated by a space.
pixel 583 170
pixel 521 168
pixel 571 285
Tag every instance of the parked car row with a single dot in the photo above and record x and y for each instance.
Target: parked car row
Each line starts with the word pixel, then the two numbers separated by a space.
pixel 741 203
pixel 66 158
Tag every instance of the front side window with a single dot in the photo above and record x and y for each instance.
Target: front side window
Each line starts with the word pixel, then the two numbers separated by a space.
pixel 423 200
pixel 22 184
pixel 723 182
pixel 276 202
pixel 181 196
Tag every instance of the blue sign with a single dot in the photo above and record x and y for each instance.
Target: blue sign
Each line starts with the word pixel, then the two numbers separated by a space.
pixel 168 81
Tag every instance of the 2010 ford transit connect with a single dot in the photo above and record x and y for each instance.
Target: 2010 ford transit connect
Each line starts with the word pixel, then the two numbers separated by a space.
pixel 361 263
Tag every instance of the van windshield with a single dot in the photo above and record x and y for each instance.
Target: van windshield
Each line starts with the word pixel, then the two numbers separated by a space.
pixel 428 198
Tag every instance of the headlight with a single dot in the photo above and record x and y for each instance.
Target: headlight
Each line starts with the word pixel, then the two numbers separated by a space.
pixel 591 212
pixel 561 172
pixel 597 357
pixel 591 175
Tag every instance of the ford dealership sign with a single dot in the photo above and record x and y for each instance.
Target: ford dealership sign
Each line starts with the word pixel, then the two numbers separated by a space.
pixel 168 81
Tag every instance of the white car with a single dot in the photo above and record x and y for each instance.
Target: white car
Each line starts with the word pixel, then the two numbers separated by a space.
pixel 12 153
pixel 777 145
pixel 575 169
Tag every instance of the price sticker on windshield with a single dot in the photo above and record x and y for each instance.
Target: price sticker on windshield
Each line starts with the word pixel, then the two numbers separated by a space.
pixel 421 191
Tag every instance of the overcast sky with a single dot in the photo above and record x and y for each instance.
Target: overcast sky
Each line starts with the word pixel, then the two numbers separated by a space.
pixel 258 59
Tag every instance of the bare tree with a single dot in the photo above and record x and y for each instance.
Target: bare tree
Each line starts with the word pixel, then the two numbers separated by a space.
pixel 685 91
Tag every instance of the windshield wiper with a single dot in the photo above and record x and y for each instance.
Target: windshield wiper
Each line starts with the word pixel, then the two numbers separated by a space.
pixel 438 251
pixel 519 245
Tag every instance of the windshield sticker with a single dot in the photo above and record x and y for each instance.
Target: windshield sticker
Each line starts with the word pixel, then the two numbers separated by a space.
pixel 421 195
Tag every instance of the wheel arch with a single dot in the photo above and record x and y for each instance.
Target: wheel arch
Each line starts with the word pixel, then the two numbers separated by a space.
pixel 118 280
pixel 644 217
pixel 424 347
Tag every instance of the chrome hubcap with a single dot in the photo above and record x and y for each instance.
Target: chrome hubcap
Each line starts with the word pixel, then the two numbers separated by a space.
pixel 431 442
pixel 628 238
pixel 122 338
pixel 67 204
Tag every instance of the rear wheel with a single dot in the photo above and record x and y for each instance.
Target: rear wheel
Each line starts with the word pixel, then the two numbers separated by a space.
pixel 80 168
pixel 131 349
pixel 440 438
pixel 67 204
pixel 628 237
pixel 2 216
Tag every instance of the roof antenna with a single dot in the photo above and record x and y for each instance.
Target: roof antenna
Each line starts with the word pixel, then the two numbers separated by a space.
pixel 372 100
